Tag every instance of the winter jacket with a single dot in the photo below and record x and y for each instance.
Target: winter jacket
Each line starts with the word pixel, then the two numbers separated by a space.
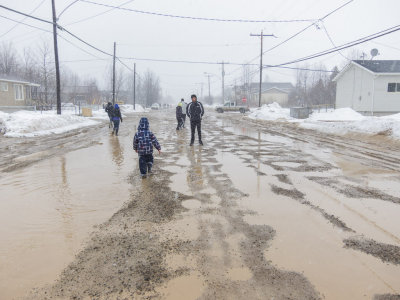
pixel 116 113
pixel 184 105
pixel 144 139
pixel 179 112
pixel 109 109
pixel 195 111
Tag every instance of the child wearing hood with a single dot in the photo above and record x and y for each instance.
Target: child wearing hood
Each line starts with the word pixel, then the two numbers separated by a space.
pixel 116 117
pixel 143 143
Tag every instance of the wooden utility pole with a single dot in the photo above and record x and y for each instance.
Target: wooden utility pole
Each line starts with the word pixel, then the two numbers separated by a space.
pixel 134 86
pixel 261 67
pixel 113 91
pixel 58 93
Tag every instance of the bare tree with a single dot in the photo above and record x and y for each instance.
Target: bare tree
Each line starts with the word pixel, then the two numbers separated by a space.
pixel 8 59
pixel 46 72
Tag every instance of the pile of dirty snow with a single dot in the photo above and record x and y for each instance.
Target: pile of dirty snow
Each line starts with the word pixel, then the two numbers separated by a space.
pixel 341 114
pixel 36 123
pixel 271 111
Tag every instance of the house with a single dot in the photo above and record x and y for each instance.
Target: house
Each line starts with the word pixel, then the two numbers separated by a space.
pixel 17 92
pixel 87 94
pixel 271 92
pixel 370 87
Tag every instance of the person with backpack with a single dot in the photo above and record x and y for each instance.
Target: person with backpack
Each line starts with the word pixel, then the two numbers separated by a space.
pixel 143 143
pixel 116 116
pixel 109 110
pixel 195 112
pixel 179 116
pixel 184 105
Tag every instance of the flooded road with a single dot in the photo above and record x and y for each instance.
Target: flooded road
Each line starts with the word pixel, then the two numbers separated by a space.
pixel 263 210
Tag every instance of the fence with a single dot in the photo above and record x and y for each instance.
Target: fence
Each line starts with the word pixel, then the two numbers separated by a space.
pixel 10 109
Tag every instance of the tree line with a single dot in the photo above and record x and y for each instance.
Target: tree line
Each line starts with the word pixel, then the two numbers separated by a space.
pixel 36 65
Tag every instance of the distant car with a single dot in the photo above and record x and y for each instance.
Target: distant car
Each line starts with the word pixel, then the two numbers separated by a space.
pixel 155 106
pixel 231 106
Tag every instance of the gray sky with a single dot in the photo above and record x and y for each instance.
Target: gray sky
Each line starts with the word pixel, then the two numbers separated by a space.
pixel 145 36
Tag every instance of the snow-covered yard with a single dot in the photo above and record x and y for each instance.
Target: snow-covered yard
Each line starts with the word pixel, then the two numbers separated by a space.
pixel 339 121
pixel 36 123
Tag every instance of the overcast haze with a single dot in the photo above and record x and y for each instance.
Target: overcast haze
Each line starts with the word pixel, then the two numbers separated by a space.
pixel 144 36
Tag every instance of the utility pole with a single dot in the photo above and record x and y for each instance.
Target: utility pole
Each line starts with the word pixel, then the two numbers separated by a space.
pixel 261 55
pixel 56 58
pixel 113 91
pixel 223 84
pixel 134 86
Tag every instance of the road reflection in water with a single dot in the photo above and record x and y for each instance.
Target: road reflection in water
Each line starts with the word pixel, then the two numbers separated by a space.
pixel 48 209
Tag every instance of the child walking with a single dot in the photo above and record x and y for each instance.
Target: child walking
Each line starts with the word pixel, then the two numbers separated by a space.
pixel 143 143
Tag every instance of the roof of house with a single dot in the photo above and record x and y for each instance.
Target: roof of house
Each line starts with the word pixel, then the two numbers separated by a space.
pixel 380 66
pixel 265 86
pixel 377 67
pixel 16 79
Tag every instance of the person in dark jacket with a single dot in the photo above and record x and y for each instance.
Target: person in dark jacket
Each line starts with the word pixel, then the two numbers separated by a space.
pixel 195 112
pixel 143 143
pixel 116 117
pixel 109 110
pixel 179 116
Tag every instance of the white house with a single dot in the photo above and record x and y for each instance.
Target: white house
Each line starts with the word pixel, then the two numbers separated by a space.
pixel 271 92
pixel 371 87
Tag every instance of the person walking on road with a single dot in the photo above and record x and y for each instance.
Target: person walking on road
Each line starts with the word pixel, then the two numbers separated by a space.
pixel 184 105
pixel 143 143
pixel 116 116
pixel 109 110
pixel 195 112
pixel 179 116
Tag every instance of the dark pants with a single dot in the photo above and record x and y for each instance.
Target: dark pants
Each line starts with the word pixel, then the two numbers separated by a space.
pixel 116 126
pixel 180 123
pixel 145 163
pixel 193 125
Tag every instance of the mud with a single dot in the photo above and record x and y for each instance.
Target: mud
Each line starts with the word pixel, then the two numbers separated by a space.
pixel 247 216
pixel 355 191
pixel 386 252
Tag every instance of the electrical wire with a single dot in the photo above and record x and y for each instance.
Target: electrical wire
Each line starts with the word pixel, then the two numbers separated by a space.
pixel 19 22
pixel 104 12
pixel 200 18
pixel 12 28
pixel 332 42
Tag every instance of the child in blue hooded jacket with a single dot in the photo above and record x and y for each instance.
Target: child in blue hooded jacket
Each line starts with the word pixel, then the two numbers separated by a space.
pixel 116 116
pixel 143 143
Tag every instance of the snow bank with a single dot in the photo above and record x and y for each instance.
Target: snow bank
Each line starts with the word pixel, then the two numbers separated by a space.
pixel 36 123
pixel 339 121
pixel 128 108
pixel 271 112
pixel 341 114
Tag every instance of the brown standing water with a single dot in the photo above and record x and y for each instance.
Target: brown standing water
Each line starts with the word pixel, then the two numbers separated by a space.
pixel 263 210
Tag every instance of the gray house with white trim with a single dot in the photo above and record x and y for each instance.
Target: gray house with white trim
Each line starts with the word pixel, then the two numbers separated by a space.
pixel 371 87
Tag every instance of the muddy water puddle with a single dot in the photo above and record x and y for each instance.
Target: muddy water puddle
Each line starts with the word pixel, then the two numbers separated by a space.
pixel 308 243
pixel 48 209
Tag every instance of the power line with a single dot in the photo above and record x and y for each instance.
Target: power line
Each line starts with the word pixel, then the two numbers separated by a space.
pixel 19 22
pixel 345 46
pixel 301 31
pixel 200 18
pixel 26 15
pixel 332 42
pixel 12 28
pixel 102 13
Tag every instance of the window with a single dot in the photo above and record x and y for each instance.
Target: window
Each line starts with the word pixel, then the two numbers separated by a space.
pixel 391 87
pixel 398 87
pixel 19 92
pixel 4 86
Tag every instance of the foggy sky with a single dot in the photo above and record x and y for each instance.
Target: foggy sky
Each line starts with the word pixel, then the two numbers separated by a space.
pixel 144 36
